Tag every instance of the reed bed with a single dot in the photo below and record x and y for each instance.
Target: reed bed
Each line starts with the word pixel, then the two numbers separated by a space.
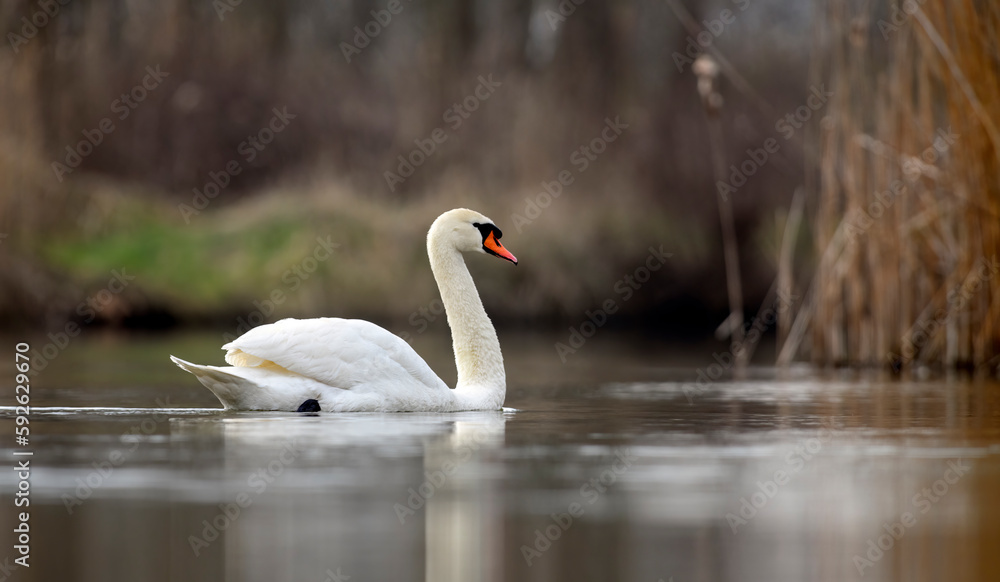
pixel 907 222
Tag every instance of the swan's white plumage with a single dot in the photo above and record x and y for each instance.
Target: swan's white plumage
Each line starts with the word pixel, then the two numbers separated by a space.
pixel 346 353
pixel 355 365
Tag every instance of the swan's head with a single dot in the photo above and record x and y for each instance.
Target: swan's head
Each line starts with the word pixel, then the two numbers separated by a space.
pixel 469 231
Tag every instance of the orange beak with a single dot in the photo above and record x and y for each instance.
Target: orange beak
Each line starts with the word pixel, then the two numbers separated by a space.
pixel 493 246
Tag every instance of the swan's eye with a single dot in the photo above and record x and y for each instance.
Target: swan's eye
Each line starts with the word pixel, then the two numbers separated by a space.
pixel 486 229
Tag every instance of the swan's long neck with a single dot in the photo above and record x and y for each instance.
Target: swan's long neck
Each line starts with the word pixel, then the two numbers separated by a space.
pixel 482 383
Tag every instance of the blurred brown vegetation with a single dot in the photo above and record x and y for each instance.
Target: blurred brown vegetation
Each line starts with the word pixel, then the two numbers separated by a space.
pixel 867 284
pixel 559 81
pixel 908 221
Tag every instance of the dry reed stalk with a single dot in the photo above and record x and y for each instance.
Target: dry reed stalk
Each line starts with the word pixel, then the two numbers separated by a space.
pixel 725 67
pixel 707 72
pixel 789 238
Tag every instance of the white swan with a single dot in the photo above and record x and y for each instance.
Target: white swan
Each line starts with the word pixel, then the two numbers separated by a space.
pixel 344 365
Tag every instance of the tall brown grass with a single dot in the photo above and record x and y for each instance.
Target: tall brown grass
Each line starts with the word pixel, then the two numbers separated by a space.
pixel 908 219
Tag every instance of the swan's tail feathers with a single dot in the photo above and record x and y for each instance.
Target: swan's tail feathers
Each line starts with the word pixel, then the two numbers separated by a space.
pixel 230 389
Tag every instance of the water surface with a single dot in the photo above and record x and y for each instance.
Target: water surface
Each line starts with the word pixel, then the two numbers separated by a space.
pixel 609 467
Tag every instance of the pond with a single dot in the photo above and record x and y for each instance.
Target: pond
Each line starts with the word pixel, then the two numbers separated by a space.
pixel 614 466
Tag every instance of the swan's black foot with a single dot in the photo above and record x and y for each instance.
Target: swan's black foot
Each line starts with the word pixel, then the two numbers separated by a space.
pixel 311 405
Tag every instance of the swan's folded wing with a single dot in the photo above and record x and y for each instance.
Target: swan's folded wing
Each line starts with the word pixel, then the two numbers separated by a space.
pixel 343 353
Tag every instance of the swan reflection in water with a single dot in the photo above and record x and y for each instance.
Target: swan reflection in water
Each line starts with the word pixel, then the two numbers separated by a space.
pixel 307 489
